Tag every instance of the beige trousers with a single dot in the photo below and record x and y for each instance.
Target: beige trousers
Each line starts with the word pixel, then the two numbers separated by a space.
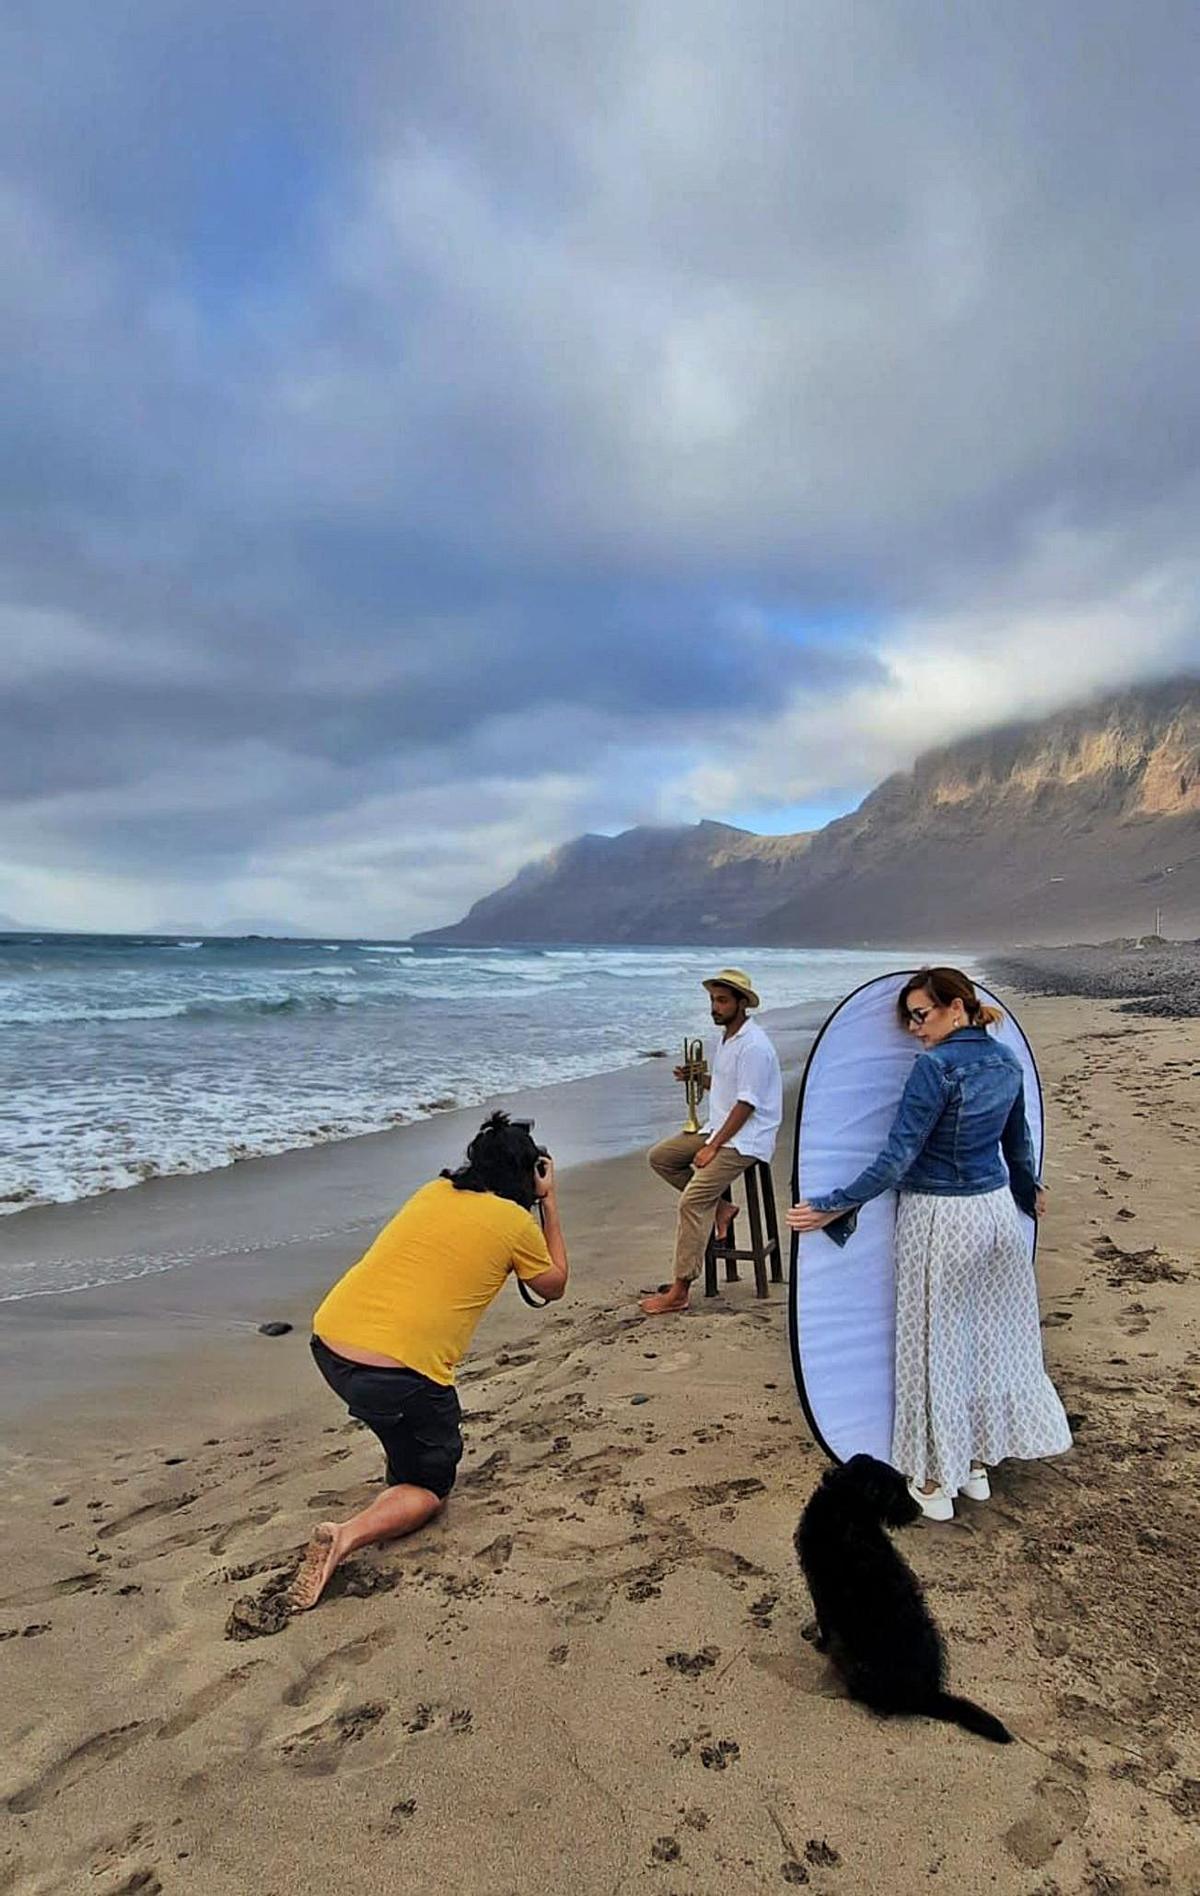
pixel 672 1160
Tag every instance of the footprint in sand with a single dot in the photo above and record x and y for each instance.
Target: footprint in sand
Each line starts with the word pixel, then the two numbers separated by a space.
pixel 426 1718
pixel 206 1700
pixel 585 1599
pixel 77 1763
pixel 487 1474
pixel 692 1664
pixel 822 1854
pixel 646 1587
pixel 399 1816
pixel 113 1853
pixel 257 1518
pixel 319 1748
pixel 799 1675
pixel 720 1756
pixel 149 1511
pixel 497 1553
pixel 73 1583
pixel 678 1359
pixel 140 1883
pixel 710 1494
pixel 1059 1809
pixel 357 1653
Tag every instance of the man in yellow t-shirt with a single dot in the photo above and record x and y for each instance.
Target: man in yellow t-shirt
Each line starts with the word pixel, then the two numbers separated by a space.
pixel 389 1335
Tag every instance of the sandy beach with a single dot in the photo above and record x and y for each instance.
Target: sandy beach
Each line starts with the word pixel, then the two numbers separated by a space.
pixel 588 1675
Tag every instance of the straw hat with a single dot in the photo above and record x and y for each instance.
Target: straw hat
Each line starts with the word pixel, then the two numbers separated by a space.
pixel 738 980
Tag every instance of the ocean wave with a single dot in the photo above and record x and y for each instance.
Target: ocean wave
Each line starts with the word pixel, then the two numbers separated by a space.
pixel 162 1139
pixel 268 1005
pixel 56 1016
pixel 230 1008
pixel 249 1053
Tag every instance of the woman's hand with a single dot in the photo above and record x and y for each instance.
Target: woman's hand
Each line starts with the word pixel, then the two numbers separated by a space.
pixel 543 1178
pixel 1039 1202
pixel 804 1218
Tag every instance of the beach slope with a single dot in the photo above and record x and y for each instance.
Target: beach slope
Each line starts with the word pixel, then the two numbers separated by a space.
pixel 588 1675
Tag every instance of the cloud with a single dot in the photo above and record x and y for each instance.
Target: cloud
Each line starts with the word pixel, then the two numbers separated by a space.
pixel 1019 654
pixel 410 412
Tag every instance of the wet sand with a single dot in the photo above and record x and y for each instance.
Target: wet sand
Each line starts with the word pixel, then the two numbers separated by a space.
pixel 588 1675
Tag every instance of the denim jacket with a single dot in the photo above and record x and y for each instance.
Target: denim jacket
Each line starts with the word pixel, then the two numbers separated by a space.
pixel 963 1104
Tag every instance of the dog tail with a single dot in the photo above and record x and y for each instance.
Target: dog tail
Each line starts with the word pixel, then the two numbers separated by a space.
pixel 972 1717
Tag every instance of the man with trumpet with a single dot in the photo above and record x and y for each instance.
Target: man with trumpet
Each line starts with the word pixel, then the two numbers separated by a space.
pixel 745 1106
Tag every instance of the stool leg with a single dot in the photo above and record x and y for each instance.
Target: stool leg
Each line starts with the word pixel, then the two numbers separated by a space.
pixel 756 1235
pixel 772 1216
pixel 729 1248
pixel 710 1268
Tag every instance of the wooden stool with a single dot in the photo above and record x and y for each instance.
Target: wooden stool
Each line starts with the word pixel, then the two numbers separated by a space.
pixel 764 1252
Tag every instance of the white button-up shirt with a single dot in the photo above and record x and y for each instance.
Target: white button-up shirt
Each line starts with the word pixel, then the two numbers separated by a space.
pixel 746 1067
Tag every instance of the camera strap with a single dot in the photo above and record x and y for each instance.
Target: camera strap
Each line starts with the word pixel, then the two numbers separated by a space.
pixel 535 1303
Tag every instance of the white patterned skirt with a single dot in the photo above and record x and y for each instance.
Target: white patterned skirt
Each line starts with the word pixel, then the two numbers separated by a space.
pixel 971 1384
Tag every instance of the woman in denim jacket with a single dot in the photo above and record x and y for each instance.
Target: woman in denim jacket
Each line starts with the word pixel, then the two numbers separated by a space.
pixel 971 1385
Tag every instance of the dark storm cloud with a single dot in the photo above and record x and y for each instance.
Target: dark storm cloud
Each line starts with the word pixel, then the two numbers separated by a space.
pixel 411 397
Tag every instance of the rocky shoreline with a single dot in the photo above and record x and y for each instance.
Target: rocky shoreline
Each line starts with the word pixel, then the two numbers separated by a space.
pixel 1149 976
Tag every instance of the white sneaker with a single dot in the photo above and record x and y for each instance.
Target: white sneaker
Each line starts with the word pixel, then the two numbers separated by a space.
pixel 936 1506
pixel 977 1487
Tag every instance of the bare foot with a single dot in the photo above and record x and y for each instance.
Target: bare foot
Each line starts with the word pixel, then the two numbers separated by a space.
pixel 661 1303
pixel 723 1221
pixel 320 1562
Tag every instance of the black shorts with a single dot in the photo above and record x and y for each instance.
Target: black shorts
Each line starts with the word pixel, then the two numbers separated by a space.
pixel 416 1420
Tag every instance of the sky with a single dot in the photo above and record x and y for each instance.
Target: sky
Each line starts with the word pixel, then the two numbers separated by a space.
pixel 429 432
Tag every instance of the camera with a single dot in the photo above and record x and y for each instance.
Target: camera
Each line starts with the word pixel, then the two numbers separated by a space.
pixel 527 1125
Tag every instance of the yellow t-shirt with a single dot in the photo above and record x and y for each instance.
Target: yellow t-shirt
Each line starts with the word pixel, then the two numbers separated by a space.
pixel 420 1290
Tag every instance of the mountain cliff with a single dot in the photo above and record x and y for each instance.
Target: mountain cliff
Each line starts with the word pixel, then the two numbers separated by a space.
pixel 1080 824
pixel 666 885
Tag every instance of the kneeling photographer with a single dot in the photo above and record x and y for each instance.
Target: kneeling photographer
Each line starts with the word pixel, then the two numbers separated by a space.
pixel 389 1335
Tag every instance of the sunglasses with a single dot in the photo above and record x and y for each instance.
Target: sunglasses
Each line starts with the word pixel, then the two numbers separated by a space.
pixel 917 1016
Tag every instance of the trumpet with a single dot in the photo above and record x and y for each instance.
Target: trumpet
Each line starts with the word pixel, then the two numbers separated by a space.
pixel 695 1080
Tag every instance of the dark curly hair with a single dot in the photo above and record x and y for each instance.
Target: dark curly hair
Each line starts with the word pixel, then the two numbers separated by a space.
pixel 500 1158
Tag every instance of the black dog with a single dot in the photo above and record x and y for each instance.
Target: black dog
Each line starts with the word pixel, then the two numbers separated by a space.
pixel 871 1615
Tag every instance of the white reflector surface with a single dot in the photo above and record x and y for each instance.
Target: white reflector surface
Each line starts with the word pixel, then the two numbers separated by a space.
pixel 843 1301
